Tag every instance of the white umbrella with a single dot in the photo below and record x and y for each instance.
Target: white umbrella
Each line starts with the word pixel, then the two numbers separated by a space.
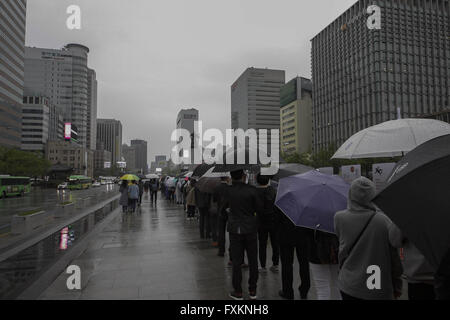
pixel 152 176
pixel 391 139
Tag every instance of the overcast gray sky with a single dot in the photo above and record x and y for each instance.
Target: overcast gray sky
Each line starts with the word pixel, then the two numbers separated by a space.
pixel 155 57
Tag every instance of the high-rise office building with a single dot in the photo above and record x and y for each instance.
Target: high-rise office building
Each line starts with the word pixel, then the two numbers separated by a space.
pixel 12 55
pixel 362 76
pixel 255 100
pixel 92 110
pixel 186 120
pixel 109 132
pixel 41 122
pixel 129 154
pixel 35 123
pixel 295 116
pixel 141 155
pixel 62 75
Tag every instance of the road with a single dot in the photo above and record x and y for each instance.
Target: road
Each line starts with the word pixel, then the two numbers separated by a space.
pixel 44 198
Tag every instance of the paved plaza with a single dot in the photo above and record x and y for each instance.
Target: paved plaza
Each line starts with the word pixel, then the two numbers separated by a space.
pixel 157 254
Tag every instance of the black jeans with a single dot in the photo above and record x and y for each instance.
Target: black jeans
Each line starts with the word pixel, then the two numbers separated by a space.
pixel 213 222
pixel 153 194
pixel 239 244
pixel 263 235
pixel 190 211
pixel 287 268
pixel 204 223
pixel 421 291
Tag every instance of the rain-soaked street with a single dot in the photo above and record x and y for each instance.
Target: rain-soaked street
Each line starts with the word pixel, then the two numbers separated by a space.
pixel 156 254
pixel 44 198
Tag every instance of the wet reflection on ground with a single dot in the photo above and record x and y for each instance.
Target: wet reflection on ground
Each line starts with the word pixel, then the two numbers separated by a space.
pixel 17 272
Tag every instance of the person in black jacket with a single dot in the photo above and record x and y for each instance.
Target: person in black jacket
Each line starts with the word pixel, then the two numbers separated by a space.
pixel 293 239
pixel 222 216
pixel 268 223
pixel 203 202
pixel 243 202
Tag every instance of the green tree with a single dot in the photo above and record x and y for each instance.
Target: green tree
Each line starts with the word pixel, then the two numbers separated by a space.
pixel 23 163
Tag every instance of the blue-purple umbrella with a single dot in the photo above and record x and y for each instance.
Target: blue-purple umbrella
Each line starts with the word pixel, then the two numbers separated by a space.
pixel 312 199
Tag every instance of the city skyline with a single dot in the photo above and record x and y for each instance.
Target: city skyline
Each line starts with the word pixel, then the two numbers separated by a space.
pixel 156 78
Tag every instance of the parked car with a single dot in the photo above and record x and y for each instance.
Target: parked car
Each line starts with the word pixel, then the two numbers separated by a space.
pixel 63 185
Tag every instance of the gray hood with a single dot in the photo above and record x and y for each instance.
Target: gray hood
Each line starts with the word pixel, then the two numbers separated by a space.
pixel 361 193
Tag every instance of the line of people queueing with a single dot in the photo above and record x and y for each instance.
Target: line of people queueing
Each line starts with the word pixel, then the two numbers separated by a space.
pixel 335 263
pixel 338 264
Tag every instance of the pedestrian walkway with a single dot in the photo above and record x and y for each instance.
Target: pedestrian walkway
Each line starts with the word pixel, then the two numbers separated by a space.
pixel 156 254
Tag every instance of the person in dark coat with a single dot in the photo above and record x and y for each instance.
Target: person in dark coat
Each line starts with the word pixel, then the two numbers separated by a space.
pixel 243 203
pixel 219 193
pixel 203 202
pixel 141 191
pixel 293 240
pixel 123 201
pixel 268 223
pixel 153 187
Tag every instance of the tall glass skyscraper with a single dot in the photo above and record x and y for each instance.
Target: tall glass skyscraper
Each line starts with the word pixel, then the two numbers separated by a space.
pixel 12 55
pixel 362 77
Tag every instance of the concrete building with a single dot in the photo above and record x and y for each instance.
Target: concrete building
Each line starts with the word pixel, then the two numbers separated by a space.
pixel 72 155
pixel 62 75
pixel 255 99
pixel 92 110
pixel 12 55
pixel 186 119
pixel 129 154
pixel 35 123
pixel 102 160
pixel 41 121
pixel 109 132
pixel 296 116
pixel 362 76
pixel 56 124
pixel 141 155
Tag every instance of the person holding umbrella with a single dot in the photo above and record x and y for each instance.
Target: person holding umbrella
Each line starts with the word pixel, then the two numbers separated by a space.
pixel 133 195
pixel 308 201
pixel 323 249
pixel 417 271
pixel 269 223
pixel 123 201
pixel 365 247
pixel 243 203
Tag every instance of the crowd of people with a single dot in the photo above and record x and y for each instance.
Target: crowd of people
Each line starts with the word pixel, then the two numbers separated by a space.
pixel 339 265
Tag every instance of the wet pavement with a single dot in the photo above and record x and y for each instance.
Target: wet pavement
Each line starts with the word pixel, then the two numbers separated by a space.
pixel 44 198
pixel 156 254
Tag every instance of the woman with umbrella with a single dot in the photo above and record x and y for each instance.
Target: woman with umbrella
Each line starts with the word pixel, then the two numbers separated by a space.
pixel 123 201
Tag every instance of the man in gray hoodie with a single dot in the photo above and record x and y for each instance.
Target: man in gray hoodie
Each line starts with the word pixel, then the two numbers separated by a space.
pixel 370 266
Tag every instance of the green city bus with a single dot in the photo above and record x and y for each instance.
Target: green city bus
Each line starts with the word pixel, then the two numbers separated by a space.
pixel 14 186
pixel 79 182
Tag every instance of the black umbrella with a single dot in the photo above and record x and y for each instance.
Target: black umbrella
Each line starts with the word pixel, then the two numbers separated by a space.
pixel 290 169
pixel 417 198
pixel 240 160
pixel 207 185
pixel 201 169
